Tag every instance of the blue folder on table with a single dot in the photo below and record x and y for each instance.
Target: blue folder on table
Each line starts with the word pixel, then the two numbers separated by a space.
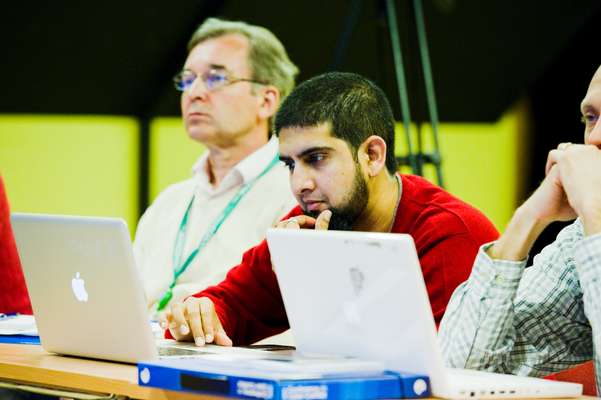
pixel 20 339
pixel 185 375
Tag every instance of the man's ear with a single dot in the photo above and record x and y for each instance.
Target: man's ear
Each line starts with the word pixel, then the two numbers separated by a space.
pixel 372 154
pixel 269 99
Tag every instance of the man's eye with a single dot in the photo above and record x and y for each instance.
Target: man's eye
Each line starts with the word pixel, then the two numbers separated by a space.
pixel 215 80
pixel 589 119
pixel 316 158
pixel 188 80
pixel 184 80
pixel 289 165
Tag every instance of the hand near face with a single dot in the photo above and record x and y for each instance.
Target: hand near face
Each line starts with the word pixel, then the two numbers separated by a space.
pixel 549 202
pixel 579 171
pixel 322 222
pixel 195 320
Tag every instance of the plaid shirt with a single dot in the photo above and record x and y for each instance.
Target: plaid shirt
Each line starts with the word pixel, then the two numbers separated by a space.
pixel 529 321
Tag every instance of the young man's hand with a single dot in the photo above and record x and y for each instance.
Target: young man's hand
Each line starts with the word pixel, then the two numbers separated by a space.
pixel 322 222
pixel 195 320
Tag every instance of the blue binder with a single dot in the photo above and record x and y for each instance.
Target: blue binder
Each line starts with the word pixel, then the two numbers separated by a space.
pixel 20 339
pixel 181 375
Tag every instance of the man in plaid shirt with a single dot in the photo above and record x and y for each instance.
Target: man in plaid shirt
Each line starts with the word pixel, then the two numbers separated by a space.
pixel 545 318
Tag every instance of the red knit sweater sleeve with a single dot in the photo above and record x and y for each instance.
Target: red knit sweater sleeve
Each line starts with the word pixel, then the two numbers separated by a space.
pixel 445 266
pixel 248 301
pixel 13 292
pixel 447 233
pixel 447 255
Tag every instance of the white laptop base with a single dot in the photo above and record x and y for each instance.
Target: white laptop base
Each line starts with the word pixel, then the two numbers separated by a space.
pixel 362 294
pixel 465 384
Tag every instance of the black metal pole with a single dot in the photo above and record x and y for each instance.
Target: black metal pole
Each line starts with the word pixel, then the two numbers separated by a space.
pixel 401 84
pixel 435 157
pixel 345 37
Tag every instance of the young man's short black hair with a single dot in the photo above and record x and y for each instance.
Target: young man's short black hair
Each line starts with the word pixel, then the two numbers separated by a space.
pixel 354 105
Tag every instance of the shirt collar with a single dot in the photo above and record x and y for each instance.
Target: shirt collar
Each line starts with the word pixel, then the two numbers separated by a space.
pixel 253 165
pixel 243 172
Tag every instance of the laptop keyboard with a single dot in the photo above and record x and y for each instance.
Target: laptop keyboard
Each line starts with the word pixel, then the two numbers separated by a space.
pixel 486 385
pixel 165 351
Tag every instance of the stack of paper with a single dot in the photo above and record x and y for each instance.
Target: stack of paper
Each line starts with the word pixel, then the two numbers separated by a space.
pixel 17 324
pixel 16 328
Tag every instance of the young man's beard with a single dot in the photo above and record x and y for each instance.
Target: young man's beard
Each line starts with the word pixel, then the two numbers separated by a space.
pixel 344 216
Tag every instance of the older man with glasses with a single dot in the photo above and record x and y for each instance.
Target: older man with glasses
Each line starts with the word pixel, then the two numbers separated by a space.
pixel 232 82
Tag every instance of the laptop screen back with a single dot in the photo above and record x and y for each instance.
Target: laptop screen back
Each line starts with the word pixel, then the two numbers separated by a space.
pixel 357 294
pixel 84 288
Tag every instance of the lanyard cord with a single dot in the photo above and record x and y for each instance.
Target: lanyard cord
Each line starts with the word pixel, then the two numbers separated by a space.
pixel 178 267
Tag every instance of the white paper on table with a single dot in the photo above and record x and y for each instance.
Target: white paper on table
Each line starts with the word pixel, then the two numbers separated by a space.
pixel 18 325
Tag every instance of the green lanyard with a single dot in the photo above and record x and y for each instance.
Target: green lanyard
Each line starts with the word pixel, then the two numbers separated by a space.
pixel 178 267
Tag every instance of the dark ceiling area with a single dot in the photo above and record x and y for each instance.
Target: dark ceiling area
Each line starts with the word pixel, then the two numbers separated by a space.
pixel 118 58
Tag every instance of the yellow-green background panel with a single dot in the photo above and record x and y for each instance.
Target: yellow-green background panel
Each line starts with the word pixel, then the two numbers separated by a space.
pixel 482 163
pixel 172 154
pixel 85 165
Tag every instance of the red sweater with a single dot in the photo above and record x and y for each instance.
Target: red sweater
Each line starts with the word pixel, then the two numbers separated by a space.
pixel 13 292
pixel 447 234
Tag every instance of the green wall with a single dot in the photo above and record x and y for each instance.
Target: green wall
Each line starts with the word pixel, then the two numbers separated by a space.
pixel 481 163
pixel 70 164
pixel 172 154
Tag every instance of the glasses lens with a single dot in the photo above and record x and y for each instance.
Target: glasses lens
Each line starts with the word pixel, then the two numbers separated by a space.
pixel 184 80
pixel 215 79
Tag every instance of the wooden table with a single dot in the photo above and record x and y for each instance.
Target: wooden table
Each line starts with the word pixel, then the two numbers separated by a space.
pixel 31 365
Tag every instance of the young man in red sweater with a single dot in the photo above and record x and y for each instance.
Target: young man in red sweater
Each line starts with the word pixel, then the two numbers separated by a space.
pixel 336 135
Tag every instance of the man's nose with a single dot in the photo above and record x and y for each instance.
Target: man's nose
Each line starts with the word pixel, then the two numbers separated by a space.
pixel 197 89
pixel 301 181
pixel 594 135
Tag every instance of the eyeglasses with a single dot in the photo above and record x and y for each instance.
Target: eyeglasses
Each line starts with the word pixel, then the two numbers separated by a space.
pixel 213 79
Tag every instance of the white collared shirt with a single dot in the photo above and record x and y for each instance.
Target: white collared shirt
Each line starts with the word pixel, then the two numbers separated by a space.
pixel 265 203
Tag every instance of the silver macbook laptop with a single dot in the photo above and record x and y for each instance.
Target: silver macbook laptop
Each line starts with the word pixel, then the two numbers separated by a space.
pixel 363 294
pixel 85 290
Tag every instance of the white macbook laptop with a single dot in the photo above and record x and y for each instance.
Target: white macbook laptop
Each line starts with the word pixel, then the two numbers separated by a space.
pixel 363 294
pixel 86 292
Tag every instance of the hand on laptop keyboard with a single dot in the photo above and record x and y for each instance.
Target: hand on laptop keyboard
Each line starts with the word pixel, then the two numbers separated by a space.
pixel 195 320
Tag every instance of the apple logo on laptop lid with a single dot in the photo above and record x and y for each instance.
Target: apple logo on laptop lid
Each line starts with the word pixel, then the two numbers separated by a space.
pixel 79 288
pixel 350 308
pixel 357 280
